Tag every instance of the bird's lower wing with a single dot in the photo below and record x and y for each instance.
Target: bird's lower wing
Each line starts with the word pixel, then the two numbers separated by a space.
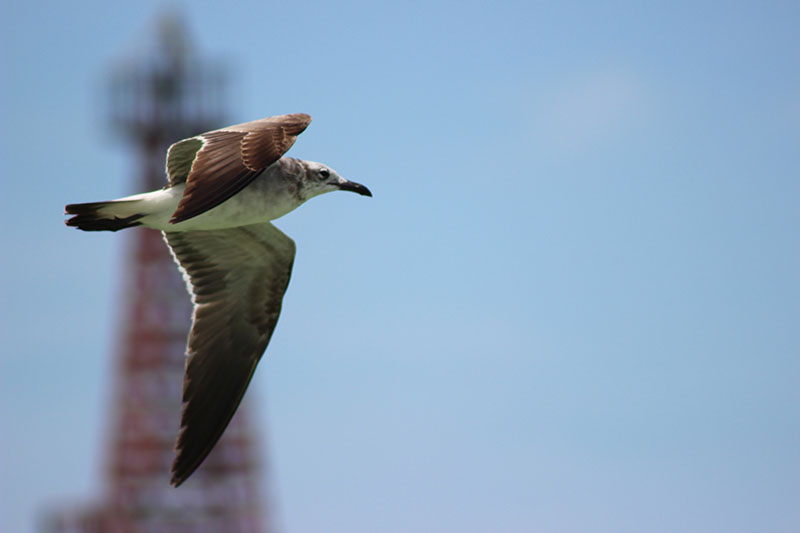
pixel 237 278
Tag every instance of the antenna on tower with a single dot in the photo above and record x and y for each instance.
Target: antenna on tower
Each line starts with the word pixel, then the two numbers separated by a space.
pixel 167 93
pixel 168 90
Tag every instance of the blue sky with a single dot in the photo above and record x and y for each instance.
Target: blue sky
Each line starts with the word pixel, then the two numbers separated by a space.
pixel 571 305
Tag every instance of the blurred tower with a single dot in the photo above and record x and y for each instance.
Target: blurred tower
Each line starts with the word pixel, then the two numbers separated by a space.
pixel 155 102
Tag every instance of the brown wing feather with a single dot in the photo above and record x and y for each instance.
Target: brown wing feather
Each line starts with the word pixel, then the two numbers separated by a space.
pixel 265 144
pixel 232 157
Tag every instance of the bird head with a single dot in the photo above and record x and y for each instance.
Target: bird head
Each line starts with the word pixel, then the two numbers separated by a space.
pixel 320 179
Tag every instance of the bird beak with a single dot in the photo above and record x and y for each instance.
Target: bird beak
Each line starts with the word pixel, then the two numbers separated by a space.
pixel 354 187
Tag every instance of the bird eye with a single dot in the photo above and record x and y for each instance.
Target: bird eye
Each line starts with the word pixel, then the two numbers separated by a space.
pixel 324 173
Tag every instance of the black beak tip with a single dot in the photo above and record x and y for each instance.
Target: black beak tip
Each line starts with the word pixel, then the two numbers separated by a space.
pixel 355 187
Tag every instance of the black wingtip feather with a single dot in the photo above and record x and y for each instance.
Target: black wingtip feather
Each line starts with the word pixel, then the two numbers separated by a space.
pixel 203 424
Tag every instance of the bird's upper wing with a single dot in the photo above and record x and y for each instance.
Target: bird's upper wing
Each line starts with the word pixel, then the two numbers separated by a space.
pixel 237 278
pixel 218 164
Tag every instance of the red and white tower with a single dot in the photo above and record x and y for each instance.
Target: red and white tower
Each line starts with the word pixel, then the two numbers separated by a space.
pixel 155 102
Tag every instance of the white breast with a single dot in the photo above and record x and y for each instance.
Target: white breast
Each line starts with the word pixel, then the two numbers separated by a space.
pixel 256 203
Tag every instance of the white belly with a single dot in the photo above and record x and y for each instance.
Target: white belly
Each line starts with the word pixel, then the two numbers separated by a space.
pixel 252 205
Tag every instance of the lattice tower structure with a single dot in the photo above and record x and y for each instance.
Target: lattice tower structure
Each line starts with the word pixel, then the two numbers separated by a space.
pixel 155 102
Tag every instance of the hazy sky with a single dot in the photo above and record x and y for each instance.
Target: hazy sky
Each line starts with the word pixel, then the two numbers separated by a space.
pixel 571 306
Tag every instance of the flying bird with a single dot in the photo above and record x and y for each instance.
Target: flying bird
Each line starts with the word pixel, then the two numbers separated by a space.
pixel 224 187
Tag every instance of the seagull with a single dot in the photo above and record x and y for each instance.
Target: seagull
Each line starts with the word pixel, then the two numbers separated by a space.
pixel 224 187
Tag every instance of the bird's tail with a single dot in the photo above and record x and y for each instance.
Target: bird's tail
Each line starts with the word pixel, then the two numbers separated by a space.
pixel 104 216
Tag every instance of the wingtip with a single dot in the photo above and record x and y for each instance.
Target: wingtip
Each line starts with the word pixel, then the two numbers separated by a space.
pixel 179 473
pixel 303 121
